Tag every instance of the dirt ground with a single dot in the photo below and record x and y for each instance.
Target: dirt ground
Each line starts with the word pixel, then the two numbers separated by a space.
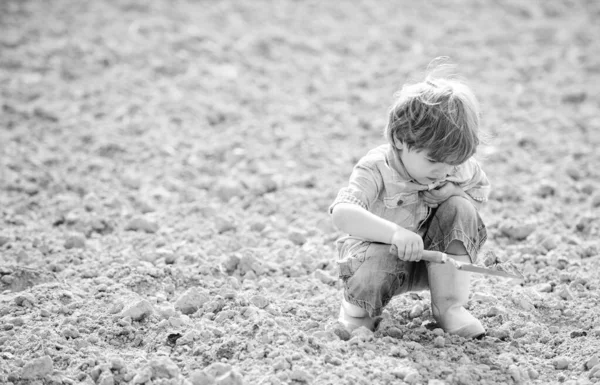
pixel 167 167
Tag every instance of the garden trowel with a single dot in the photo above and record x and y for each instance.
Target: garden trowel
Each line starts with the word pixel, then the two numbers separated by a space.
pixel 439 257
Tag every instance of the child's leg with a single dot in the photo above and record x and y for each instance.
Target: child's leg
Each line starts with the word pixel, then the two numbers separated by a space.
pixel 456 229
pixel 371 284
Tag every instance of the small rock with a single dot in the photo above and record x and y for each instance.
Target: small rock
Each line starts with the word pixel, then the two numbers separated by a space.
pixel 301 376
pixel 142 224
pixel 4 240
pixel 398 352
pixel 578 333
pixel 592 362
pixel 117 363
pixel 192 300
pixel 595 203
pixel 169 256
pixel 523 302
pixel 416 311
pixel 561 363
pixel 439 342
pixel 226 189
pixel 224 224
pixel 325 277
pixel 163 367
pixel 401 372
pixel 106 378
pixel 516 230
pixel 217 369
pixel 230 378
pixel 435 382
pixel 75 242
pixel 544 287
pixel 532 373
pixel 412 377
pixel 495 310
pixel 342 333
pixel 37 368
pixel 138 311
pixel 259 301
pixel 550 243
pixel 515 373
pixel 143 376
pixel 70 332
pixel 483 298
pixel 230 263
pixel 25 300
pixel 297 236
pixel 199 377
pixel 564 293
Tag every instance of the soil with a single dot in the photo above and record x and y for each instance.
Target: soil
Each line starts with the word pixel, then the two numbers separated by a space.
pixel 167 168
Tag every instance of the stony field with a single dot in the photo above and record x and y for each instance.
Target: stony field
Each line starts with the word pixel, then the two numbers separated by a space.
pixel 166 169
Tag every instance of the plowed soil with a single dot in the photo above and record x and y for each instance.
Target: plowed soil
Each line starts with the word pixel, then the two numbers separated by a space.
pixel 167 168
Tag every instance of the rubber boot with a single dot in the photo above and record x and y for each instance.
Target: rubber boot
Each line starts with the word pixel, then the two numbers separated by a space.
pixel 449 294
pixel 353 317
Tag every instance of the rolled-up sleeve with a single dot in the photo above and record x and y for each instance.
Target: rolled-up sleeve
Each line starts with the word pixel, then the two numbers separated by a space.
pixel 363 188
pixel 473 180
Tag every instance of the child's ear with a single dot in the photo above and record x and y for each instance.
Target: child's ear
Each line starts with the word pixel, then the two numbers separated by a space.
pixel 398 143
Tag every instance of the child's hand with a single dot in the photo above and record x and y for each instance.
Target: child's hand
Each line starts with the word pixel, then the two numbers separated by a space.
pixel 434 198
pixel 409 244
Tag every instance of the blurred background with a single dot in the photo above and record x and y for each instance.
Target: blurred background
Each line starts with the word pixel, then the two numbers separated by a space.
pixel 263 107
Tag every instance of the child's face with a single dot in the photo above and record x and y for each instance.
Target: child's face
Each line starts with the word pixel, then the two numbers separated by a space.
pixel 421 168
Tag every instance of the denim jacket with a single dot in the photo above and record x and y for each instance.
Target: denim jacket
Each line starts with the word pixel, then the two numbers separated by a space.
pixel 380 184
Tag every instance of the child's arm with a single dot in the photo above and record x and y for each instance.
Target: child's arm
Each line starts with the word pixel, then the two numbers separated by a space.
pixel 359 222
pixel 435 197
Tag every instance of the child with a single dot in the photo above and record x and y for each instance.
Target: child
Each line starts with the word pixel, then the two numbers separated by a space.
pixel 421 190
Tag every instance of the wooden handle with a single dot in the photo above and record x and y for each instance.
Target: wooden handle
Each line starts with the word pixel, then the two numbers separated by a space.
pixel 428 255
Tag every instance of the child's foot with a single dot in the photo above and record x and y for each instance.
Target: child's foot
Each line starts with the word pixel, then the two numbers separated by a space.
pixel 463 324
pixel 353 317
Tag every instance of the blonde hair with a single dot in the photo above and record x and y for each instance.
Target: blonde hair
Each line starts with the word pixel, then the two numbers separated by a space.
pixel 439 115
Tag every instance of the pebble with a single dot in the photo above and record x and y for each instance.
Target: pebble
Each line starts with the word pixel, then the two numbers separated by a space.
pixel 70 332
pixel 544 288
pixel 25 300
pixel 230 378
pixel 589 364
pixel 224 224
pixel 4 240
pixel 517 231
pixel 297 236
pixel 483 298
pixel 192 300
pixel 301 376
pixel 226 189
pixel 163 367
pixel 37 368
pixel 439 342
pixel 496 310
pixel 416 311
pixel 106 378
pixel 561 363
pixel 533 374
pixel 259 301
pixel 138 310
pixel 217 369
pixel 75 242
pixel 564 293
pixel 142 224
pixel 325 277
pixel 523 302
pixel 199 377
pixel 143 376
